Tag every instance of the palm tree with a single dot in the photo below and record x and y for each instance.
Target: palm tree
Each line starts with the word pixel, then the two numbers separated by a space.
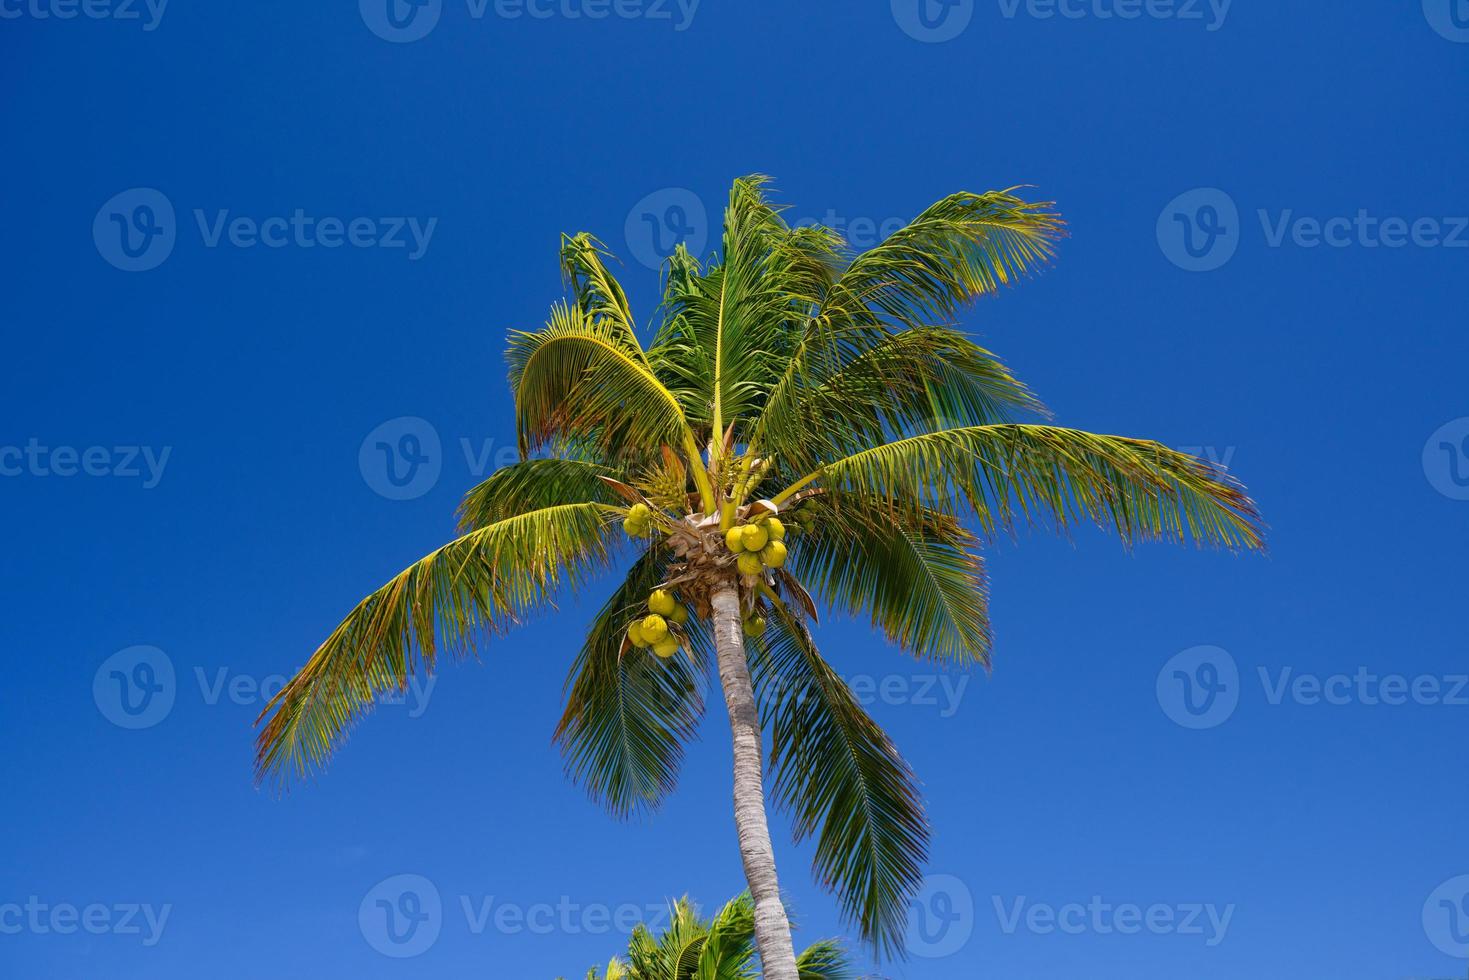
pixel 721 948
pixel 806 426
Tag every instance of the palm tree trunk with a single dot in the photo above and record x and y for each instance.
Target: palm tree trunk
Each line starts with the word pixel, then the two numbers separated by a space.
pixel 772 927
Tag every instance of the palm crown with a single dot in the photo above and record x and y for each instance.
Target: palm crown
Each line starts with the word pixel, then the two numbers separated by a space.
pixel 825 402
pixel 692 947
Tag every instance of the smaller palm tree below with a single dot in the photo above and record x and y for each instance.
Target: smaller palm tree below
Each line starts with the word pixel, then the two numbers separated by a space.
pixel 721 948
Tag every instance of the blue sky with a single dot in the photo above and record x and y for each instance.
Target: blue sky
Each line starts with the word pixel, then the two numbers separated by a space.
pixel 245 237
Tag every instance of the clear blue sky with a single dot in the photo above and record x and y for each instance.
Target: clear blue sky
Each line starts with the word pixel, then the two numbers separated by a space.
pixel 1325 834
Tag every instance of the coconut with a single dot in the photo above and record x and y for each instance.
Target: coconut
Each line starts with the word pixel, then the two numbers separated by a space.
pixel 635 634
pixel 633 528
pixel 680 614
pixel 755 537
pixel 655 628
pixel 661 602
pixel 754 625
pixel 775 529
pixel 640 512
pixel 773 554
pixel 666 647
pixel 749 563
pixel 734 539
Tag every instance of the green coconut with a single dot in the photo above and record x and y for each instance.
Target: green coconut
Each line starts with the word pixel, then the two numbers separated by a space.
pixel 734 539
pixel 773 554
pixel 754 625
pixel 655 628
pixel 666 647
pixel 749 563
pixel 755 537
pixel 775 529
pixel 662 602
pixel 680 614
pixel 635 634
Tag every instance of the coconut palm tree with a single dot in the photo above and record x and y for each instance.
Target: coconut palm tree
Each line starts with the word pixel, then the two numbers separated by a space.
pixel 721 948
pixel 806 428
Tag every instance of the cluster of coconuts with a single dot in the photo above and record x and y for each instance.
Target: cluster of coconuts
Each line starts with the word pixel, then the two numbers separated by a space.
pixel 638 521
pixel 654 630
pixel 759 545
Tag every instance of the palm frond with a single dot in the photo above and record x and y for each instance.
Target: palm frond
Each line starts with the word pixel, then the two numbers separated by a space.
pixel 535 484
pixel 824 960
pixel 958 249
pixel 578 379
pixel 848 387
pixel 843 781
pixel 918 576
pixel 628 715
pixel 485 581
pixel 596 290
pixel 1010 474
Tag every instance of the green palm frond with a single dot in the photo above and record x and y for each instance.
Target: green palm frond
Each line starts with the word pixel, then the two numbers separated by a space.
pixel 959 248
pixel 825 960
pixel 846 388
pixel 726 331
pixel 692 947
pixel 628 715
pixel 1010 474
pixel 595 290
pixel 535 484
pixel 918 576
pixel 577 378
pixel 843 781
pixel 483 582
